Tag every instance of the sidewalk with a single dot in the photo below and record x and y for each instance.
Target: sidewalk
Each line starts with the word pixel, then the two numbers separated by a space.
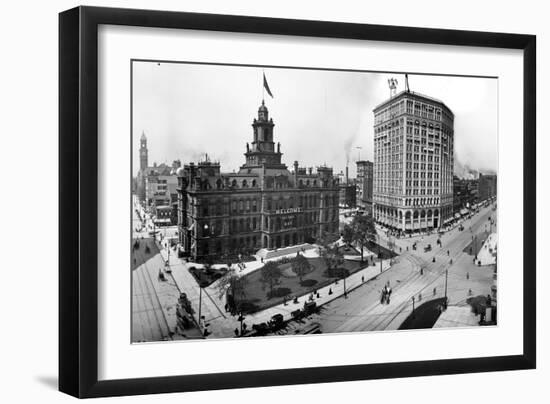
pixel 457 316
pixel 487 254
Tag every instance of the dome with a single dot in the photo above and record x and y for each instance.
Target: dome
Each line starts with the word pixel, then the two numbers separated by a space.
pixel 262 108
pixel 179 172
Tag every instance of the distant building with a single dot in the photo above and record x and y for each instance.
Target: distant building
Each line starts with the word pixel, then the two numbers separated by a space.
pixel 365 184
pixel 487 186
pixel 347 195
pixel 413 162
pixel 465 193
pixel 263 205
pixel 163 216
pixel 156 185
pixel 161 190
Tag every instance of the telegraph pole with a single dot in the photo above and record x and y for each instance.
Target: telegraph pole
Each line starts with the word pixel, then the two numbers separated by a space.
pixel 446 277
pixel 200 306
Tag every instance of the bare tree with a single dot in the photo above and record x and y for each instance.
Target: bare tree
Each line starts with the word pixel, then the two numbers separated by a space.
pixel 361 231
pixel 330 252
pixel 270 274
pixel 233 287
pixel 300 266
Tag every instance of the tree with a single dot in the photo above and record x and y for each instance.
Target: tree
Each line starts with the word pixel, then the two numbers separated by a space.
pixel 361 231
pixel 300 266
pixel 330 252
pixel 233 287
pixel 270 274
pixel 333 258
pixel 347 234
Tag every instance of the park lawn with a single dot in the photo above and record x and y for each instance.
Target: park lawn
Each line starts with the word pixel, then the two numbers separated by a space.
pixel 257 293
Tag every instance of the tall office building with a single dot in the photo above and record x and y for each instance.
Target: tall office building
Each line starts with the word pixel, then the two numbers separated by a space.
pixel 413 162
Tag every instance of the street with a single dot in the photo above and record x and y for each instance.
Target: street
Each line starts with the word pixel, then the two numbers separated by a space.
pixel 362 310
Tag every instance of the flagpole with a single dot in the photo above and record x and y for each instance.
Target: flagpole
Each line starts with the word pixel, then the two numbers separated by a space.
pixel 263 86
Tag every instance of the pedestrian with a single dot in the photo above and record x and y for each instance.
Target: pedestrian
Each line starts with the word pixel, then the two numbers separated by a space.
pixel 362 277
pixel 435 291
pixel 448 253
pixel 467 275
pixel 236 331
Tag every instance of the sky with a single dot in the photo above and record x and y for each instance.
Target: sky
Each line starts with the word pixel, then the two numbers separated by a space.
pixel 321 117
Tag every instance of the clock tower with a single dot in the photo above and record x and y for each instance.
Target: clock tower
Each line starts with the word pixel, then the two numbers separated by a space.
pixel 262 150
pixel 143 163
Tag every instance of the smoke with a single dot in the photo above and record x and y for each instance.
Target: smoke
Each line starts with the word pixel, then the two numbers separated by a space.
pixel 465 171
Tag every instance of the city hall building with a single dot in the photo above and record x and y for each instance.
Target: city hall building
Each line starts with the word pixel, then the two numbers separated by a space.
pixel 413 163
pixel 263 205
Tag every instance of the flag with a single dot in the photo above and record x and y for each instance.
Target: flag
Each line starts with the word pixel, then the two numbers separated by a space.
pixel 266 86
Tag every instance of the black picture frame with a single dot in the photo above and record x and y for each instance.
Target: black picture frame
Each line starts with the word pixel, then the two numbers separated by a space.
pixel 78 196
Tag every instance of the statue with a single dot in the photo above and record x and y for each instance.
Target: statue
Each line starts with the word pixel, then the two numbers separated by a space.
pixel 247 147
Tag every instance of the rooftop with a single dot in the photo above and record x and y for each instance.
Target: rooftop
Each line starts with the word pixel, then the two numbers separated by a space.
pixel 414 95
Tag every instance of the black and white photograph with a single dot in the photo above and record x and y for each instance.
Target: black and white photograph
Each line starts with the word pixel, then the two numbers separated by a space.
pixel 287 201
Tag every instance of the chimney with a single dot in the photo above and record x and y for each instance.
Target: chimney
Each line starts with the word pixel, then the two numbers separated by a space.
pixel 347 175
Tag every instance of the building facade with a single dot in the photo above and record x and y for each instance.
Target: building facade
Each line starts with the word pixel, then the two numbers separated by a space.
pixel 465 193
pixel 365 185
pixel 487 186
pixel 413 163
pixel 161 190
pixel 348 195
pixel 263 205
